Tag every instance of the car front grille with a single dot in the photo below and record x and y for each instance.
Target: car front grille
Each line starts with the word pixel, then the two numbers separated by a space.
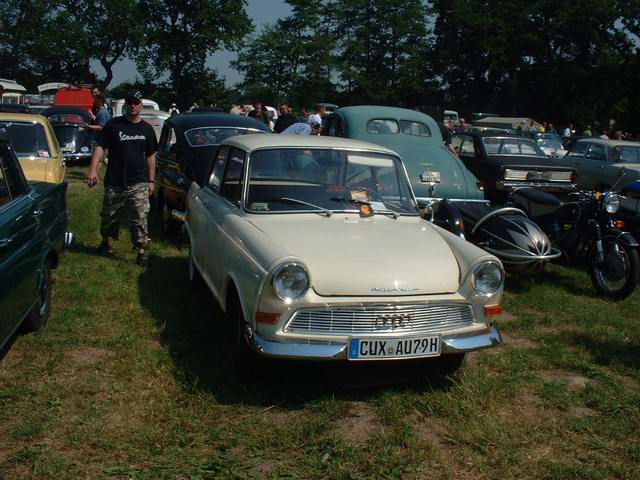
pixel 423 318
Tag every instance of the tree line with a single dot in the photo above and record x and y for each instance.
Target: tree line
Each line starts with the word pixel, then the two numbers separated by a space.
pixel 564 61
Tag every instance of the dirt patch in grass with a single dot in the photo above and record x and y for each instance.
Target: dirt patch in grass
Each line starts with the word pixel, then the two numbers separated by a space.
pixel 519 342
pixel 573 380
pixel 89 355
pixel 582 412
pixel 359 425
pixel 504 317
pixel 429 429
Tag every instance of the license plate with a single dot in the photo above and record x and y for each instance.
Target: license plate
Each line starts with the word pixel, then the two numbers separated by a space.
pixel 430 177
pixel 533 176
pixel 376 348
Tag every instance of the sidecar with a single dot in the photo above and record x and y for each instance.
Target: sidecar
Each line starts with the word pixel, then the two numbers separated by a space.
pixel 447 192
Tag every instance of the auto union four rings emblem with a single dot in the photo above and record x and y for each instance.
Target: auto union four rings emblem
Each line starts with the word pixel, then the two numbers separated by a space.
pixel 393 320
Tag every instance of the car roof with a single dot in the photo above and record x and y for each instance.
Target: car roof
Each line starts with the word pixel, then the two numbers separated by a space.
pixel 483 134
pixel 189 120
pixel 612 143
pixel 24 117
pixel 259 141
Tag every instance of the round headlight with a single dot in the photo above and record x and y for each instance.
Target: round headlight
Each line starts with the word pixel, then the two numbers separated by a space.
pixel 612 203
pixel 488 279
pixel 291 281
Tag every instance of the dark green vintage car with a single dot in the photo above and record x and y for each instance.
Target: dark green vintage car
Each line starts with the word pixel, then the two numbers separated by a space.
pixel 447 192
pixel 33 222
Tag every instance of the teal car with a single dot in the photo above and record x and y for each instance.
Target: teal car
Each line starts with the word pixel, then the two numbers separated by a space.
pixel 33 222
pixel 434 171
pixel 447 192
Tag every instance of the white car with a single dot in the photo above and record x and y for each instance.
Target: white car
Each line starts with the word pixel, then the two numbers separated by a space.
pixel 316 248
pixel 118 106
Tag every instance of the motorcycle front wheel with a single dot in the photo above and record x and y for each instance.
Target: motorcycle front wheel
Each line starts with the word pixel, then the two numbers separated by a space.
pixel 618 275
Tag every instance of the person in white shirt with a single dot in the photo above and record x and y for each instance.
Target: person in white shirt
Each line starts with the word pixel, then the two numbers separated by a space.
pixel 317 116
pixel 568 131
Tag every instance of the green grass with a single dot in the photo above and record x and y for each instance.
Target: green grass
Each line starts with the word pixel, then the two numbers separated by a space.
pixel 132 378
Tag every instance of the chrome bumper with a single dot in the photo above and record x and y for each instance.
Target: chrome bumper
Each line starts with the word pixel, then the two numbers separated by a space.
pixel 338 351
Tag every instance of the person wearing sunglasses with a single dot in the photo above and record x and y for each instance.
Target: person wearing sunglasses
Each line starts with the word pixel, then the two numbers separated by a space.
pixel 130 177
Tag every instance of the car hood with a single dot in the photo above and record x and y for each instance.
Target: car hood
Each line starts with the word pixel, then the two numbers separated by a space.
pixel 352 256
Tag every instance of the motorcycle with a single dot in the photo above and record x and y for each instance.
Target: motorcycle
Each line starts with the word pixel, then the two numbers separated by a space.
pixel 508 233
pixel 585 230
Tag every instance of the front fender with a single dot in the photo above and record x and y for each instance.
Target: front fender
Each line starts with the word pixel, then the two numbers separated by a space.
pixel 627 240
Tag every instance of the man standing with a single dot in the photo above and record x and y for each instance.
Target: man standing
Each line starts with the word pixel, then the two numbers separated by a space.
pixel 130 176
pixel 101 114
pixel 174 110
pixel 285 119
pixel 259 114
pixel 568 132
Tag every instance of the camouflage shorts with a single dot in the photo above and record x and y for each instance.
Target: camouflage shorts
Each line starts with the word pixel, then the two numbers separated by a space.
pixel 117 200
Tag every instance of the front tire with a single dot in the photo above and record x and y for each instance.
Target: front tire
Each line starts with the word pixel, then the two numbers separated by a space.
pixel 39 314
pixel 618 275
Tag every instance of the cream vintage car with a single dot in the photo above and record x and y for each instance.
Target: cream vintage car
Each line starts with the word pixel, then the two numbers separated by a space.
pixel 34 141
pixel 315 247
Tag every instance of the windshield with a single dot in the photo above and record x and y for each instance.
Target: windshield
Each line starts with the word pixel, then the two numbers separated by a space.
pixel 550 143
pixel 27 139
pixel 207 136
pixel 512 146
pixel 627 154
pixel 288 180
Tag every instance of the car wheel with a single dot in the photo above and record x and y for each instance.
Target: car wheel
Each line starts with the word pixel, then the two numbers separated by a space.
pixel 246 360
pixel 39 314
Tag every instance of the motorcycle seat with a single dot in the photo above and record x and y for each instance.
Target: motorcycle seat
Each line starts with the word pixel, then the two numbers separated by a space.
pixel 536 202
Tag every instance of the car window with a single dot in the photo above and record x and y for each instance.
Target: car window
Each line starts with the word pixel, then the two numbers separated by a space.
pixel 218 167
pixel 27 139
pixel 510 147
pixel 207 136
pixel 418 129
pixel 382 126
pixel 467 147
pixel 169 142
pixel 527 148
pixel 232 182
pixel 597 152
pixel 296 179
pixel 491 145
pixel 578 150
pixel 627 154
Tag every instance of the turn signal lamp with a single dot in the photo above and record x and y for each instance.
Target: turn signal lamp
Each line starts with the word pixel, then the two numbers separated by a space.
pixel 492 310
pixel 619 224
pixel 268 318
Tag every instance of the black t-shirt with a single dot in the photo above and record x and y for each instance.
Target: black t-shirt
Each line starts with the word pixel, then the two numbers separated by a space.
pixel 283 122
pixel 129 146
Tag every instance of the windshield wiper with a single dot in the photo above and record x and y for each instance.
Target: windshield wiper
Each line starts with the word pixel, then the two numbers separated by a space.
pixel 394 214
pixel 325 211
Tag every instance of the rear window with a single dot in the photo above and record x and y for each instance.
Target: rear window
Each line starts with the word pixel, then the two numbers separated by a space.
pixel 66 118
pixel 418 129
pixel 204 136
pixel 26 138
pixel 627 154
pixel 382 126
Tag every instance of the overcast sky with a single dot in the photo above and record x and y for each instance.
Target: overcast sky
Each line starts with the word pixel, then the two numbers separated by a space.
pixel 260 11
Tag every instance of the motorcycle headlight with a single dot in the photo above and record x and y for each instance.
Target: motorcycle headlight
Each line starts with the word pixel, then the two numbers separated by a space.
pixel 291 281
pixel 488 279
pixel 612 203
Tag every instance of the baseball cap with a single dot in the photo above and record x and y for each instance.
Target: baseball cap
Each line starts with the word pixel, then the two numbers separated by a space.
pixel 133 97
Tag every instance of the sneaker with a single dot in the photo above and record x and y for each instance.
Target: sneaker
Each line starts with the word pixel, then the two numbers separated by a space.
pixel 141 259
pixel 104 248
